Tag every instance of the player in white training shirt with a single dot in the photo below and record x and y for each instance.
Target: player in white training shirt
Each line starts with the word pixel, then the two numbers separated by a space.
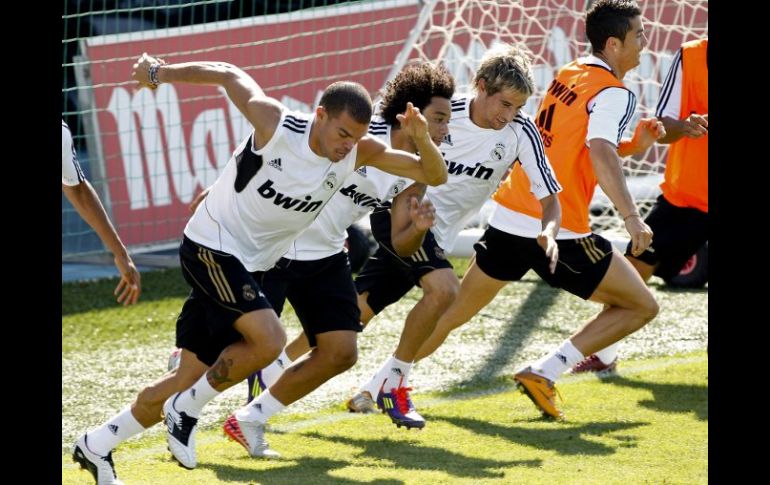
pixel 486 136
pixel 83 198
pixel 584 126
pixel 315 274
pixel 271 189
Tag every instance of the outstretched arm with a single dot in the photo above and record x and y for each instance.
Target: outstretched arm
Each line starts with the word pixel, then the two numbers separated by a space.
pixel 83 197
pixel 429 168
pixel 263 112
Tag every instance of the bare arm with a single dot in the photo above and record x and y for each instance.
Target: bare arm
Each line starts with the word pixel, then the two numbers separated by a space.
pixel 263 112
pixel 694 126
pixel 410 219
pixel 607 167
pixel 647 132
pixel 551 222
pixel 429 168
pixel 83 197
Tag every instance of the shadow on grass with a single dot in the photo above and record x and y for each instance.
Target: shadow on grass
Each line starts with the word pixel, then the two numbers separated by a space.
pixel 669 398
pixel 514 334
pixel 301 470
pixel 565 440
pixel 403 455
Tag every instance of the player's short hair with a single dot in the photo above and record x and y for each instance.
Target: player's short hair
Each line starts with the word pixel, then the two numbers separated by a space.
pixel 609 18
pixel 506 66
pixel 350 97
pixel 417 83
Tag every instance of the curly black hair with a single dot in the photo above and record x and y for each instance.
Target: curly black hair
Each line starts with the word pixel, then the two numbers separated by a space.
pixel 417 83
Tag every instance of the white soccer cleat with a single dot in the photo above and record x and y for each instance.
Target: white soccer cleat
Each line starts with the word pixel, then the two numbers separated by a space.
pixel 251 436
pixel 180 433
pixel 101 467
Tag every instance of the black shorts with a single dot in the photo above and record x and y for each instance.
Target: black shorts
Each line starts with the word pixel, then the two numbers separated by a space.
pixel 222 291
pixel 677 234
pixel 321 292
pixel 388 277
pixel 582 262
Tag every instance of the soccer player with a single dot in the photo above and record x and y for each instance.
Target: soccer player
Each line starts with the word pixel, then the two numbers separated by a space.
pixel 272 188
pixel 582 118
pixel 680 216
pixel 315 274
pixel 487 135
pixel 83 197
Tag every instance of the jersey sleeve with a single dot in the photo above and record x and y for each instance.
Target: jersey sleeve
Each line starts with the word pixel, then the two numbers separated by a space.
pixel 71 174
pixel 532 157
pixel 609 113
pixel 670 102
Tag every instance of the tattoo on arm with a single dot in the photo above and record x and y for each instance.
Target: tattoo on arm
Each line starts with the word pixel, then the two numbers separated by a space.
pixel 296 367
pixel 219 372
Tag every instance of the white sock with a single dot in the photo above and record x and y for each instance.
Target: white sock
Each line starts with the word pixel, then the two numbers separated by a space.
pixel 397 374
pixel 193 399
pixel 556 363
pixel 378 380
pixel 273 371
pixel 608 354
pixel 118 429
pixel 260 408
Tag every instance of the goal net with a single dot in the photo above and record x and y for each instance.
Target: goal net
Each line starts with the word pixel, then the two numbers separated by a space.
pixel 149 153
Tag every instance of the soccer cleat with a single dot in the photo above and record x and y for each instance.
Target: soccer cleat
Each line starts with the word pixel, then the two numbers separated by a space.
pixel 256 385
pixel 361 402
pixel 540 390
pixel 399 407
pixel 180 433
pixel 101 467
pixel 251 436
pixel 593 363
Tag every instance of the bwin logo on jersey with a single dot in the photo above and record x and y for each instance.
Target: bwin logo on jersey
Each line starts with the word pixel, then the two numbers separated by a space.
pixel 359 198
pixel 276 163
pixel 397 188
pixel 498 152
pixel 267 191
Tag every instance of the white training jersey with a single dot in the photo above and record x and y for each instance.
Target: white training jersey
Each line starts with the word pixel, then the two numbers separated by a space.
pixel 360 193
pixel 477 159
pixel 71 174
pixel 264 198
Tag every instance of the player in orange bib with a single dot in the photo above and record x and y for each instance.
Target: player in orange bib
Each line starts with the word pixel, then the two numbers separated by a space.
pixel 680 216
pixel 581 120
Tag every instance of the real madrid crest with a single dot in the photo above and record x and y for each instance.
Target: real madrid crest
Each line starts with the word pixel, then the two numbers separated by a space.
pixel 397 188
pixel 498 152
pixel 248 293
pixel 330 182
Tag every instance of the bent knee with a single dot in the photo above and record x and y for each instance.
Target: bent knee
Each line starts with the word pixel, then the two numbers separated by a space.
pixel 646 307
pixel 442 294
pixel 343 358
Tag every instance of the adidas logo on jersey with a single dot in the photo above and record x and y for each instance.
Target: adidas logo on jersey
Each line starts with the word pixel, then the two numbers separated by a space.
pixel 267 191
pixel 362 171
pixel 359 198
pixel 276 163
pixel 448 139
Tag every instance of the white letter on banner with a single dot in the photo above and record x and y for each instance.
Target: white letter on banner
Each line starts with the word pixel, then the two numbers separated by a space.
pixel 120 107
pixel 143 104
pixel 209 122
pixel 167 103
